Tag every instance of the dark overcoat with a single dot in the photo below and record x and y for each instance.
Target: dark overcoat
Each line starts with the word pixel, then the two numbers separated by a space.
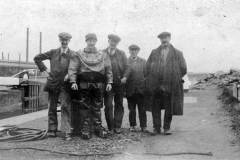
pixel 167 77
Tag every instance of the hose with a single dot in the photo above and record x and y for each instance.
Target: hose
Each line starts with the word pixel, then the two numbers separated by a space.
pixel 108 154
pixel 12 133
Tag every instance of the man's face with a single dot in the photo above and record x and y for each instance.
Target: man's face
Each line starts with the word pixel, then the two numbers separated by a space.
pixel 165 41
pixel 91 42
pixel 134 52
pixel 112 44
pixel 64 43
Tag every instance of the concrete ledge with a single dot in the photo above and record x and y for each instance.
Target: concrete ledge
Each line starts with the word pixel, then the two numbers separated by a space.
pixel 23 118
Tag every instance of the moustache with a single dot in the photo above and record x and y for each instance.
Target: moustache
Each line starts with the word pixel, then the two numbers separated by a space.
pixel 64 43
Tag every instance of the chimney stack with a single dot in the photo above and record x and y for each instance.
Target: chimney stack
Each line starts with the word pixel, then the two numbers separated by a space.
pixel 27 45
pixel 40 43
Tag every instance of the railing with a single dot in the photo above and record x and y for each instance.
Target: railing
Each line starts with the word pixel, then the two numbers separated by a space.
pixel 30 96
pixel 236 91
pixel 15 61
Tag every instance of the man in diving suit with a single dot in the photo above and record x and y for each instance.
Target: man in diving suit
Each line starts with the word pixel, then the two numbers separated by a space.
pixel 89 72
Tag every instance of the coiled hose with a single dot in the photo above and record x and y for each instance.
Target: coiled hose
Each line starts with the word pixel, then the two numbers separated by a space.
pixel 12 133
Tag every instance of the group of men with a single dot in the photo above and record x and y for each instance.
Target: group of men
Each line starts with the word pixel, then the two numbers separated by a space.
pixel 93 78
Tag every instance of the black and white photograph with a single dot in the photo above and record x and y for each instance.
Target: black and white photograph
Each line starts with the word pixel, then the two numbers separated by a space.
pixel 120 80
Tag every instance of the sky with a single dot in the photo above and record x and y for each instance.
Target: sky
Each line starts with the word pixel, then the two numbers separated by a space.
pixel 206 31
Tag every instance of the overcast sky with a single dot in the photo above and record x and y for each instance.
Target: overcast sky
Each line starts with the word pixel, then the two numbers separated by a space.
pixel 207 31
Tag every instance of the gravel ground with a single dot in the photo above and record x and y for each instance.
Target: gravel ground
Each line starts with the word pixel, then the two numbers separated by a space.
pixel 113 144
pixel 203 128
pixel 231 106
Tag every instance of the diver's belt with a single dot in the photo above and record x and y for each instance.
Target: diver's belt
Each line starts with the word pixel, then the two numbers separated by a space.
pixel 86 85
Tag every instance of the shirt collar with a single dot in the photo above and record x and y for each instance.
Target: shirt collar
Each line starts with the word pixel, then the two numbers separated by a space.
pixel 64 51
pixel 111 51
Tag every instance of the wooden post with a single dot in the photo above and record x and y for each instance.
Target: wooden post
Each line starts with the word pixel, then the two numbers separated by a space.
pixel 2 56
pixel 8 57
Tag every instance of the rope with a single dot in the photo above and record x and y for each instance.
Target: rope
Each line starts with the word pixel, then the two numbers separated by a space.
pixel 11 133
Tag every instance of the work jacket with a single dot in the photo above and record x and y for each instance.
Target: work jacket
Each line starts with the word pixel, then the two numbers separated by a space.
pixel 59 63
pixel 119 65
pixel 136 77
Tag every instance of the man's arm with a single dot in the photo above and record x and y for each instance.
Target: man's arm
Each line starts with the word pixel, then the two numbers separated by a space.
pixel 127 71
pixel 144 68
pixel 148 64
pixel 73 68
pixel 126 68
pixel 182 63
pixel 108 70
pixel 41 57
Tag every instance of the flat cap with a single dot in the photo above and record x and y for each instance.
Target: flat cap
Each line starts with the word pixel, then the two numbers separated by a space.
pixel 114 37
pixel 91 36
pixel 164 35
pixel 65 35
pixel 134 47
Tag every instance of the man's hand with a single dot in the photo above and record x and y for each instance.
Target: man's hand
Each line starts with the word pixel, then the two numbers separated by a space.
pixel 74 86
pixel 162 88
pixel 109 87
pixel 66 77
pixel 123 80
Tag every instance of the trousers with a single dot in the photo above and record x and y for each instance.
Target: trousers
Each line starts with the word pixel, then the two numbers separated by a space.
pixel 91 102
pixel 137 100
pixel 114 114
pixel 65 101
pixel 158 98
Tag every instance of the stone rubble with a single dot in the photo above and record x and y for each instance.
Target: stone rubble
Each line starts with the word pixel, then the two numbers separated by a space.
pixel 218 79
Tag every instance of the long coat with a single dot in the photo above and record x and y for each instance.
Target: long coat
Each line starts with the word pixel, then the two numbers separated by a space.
pixel 167 76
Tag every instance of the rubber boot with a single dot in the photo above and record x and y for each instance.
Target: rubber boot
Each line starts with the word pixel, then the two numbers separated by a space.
pixel 100 131
pixel 86 131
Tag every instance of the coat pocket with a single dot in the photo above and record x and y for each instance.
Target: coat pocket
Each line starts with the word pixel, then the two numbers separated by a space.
pixel 52 85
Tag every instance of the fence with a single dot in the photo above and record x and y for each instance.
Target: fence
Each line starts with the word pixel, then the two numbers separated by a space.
pixel 236 91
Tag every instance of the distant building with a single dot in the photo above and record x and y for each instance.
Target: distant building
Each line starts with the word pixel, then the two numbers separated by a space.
pixel 9 68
